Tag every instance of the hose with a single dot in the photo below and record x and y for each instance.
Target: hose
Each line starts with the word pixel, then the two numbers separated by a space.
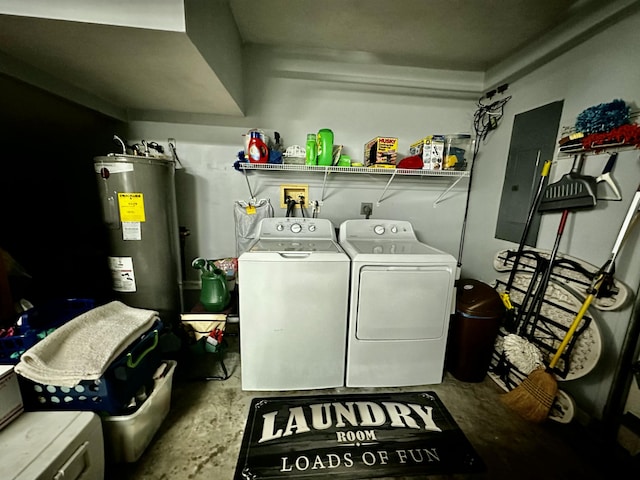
pixel 301 201
pixel 291 204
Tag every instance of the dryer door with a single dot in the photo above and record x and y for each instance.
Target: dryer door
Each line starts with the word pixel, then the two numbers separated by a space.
pixel 404 302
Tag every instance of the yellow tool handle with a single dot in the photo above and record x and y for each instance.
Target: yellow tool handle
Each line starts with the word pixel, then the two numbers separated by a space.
pixel 576 321
pixel 571 331
pixel 506 300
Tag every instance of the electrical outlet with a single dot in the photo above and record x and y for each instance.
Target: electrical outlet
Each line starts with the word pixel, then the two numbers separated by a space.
pixel 366 208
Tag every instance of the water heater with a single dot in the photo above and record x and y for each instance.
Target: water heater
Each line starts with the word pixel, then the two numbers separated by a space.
pixel 139 210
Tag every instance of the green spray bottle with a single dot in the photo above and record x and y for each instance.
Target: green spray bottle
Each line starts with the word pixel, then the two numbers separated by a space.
pixel 311 152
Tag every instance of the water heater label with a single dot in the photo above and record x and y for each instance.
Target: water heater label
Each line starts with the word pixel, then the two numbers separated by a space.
pixel 131 207
pixel 113 167
pixel 123 277
pixel 131 231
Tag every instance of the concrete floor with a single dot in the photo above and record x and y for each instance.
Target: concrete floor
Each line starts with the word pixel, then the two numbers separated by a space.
pixel 201 436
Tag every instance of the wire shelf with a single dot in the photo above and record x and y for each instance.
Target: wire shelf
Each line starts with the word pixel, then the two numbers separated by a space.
pixel 367 170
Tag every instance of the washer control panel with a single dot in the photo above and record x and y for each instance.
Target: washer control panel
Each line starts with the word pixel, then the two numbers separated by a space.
pixel 296 227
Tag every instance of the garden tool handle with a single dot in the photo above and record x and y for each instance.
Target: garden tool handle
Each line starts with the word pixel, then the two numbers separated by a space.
pixel 538 298
pixel 534 207
pixel 605 177
pixel 572 330
pixel 633 207
pixel 607 270
pixel 610 163
pixel 578 162
pixel 576 321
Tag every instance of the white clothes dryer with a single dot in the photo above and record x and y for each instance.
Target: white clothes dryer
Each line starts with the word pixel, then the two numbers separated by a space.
pixel 402 297
pixel 293 301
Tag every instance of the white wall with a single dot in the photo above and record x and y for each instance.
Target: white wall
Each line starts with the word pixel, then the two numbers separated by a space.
pixel 209 185
pixel 154 14
pixel 600 70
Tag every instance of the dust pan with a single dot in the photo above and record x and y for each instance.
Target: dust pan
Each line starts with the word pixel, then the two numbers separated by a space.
pixel 572 191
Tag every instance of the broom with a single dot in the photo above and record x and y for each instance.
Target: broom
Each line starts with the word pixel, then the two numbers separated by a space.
pixel 533 398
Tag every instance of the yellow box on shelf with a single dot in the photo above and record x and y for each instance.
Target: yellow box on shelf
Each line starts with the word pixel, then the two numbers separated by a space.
pixel 381 151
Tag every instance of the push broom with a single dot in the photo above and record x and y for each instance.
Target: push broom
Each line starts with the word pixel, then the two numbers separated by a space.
pixel 533 398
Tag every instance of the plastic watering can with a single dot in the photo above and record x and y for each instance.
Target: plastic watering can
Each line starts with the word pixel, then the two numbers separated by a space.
pixel 214 294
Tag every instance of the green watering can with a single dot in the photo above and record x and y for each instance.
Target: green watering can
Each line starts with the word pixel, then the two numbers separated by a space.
pixel 214 294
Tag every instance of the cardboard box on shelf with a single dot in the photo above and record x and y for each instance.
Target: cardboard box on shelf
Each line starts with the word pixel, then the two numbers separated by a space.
pixel 381 151
pixel 10 398
pixel 431 149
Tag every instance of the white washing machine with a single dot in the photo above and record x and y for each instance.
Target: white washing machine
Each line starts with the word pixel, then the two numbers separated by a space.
pixel 293 286
pixel 402 297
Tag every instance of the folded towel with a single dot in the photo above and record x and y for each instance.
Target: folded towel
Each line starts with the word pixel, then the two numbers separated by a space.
pixel 84 347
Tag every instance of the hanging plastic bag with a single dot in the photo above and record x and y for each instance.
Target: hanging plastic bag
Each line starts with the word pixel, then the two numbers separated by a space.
pixel 247 217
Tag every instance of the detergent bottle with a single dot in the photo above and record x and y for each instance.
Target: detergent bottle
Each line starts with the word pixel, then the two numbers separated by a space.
pixel 325 147
pixel 311 150
pixel 258 150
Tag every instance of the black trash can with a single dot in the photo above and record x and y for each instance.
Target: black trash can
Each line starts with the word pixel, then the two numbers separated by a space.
pixel 473 330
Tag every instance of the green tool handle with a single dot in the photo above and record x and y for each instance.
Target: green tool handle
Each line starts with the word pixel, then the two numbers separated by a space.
pixel 134 363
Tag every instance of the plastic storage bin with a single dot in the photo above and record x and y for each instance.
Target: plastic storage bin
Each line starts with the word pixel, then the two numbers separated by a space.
pixel 110 394
pixel 36 323
pixel 127 436
pixel 11 405
pixel 473 331
pixel 457 152
pixel 53 446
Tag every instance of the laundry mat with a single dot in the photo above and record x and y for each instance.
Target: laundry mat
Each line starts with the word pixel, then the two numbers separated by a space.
pixel 353 436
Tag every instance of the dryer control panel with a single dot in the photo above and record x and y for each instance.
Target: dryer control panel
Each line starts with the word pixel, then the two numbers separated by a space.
pixel 364 229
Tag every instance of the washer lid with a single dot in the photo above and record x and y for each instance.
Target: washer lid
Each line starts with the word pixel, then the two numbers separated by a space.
pixel 295 245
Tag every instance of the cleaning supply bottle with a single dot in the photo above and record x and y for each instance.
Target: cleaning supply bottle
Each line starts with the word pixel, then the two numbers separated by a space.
pixel 258 150
pixel 311 152
pixel 325 147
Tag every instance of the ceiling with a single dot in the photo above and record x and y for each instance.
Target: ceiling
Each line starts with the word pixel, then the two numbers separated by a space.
pixel 124 69
pixel 446 34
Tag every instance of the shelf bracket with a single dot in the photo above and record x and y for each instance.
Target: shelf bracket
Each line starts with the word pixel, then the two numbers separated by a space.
pixel 324 183
pixel 251 195
pixel 393 175
pixel 439 199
